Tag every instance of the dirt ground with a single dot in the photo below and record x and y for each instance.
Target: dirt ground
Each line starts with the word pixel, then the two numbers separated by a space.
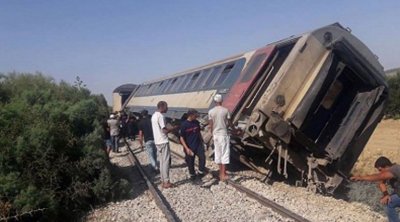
pixel 385 141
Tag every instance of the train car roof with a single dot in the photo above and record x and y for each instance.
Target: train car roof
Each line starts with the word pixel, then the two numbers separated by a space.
pixel 232 58
pixel 285 40
pixel 125 88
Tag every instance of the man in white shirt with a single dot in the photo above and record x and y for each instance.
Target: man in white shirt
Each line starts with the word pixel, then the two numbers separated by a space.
pixel 219 120
pixel 160 133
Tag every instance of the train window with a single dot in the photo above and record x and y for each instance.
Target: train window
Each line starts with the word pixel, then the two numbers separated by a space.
pixel 159 88
pixel 177 84
pixel 143 90
pixel 151 89
pixel 187 81
pixel 253 66
pixel 147 90
pixel 224 74
pixel 203 77
pixel 171 85
pixel 167 83
pixel 181 82
pixel 193 81
pixel 212 76
pixel 139 91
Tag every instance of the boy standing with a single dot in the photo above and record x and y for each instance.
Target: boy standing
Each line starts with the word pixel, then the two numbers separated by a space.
pixel 192 143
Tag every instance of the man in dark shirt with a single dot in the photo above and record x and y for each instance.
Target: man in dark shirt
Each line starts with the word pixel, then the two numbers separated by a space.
pixel 131 128
pixel 192 143
pixel 107 137
pixel 146 132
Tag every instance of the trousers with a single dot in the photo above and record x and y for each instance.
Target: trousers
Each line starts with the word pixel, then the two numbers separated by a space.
pixel 114 143
pixel 199 152
pixel 391 208
pixel 151 153
pixel 165 161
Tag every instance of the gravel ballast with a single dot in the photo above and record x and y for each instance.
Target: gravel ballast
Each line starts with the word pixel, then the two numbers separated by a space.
pixel 207 199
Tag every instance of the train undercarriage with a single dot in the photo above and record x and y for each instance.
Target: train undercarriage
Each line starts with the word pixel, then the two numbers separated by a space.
pixel 318 146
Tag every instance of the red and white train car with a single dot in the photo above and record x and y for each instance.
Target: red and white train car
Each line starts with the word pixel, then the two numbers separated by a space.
pixel 308 103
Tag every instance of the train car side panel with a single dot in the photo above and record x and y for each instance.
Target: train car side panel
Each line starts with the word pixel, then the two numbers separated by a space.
pixel 247 78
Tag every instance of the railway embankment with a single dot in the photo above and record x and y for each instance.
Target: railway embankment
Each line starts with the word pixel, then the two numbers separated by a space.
pixel 210 200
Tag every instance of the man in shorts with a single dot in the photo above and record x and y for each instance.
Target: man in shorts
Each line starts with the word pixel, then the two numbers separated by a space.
pixel 160 133
pixel 219 120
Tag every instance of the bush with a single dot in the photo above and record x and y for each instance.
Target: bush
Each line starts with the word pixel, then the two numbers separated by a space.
pixel 393 108
pixel 51 155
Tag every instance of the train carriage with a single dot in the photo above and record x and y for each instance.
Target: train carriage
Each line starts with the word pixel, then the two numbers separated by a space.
pixel 309 103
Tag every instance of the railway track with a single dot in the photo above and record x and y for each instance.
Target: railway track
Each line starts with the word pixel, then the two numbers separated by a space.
pixel 160 200
pixel 171 216
pixel 262 200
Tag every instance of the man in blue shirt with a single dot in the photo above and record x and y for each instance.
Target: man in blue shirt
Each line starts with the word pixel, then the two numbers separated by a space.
pixel 192 143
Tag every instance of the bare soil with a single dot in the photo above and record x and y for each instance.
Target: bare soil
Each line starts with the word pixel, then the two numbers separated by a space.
pixel 385 141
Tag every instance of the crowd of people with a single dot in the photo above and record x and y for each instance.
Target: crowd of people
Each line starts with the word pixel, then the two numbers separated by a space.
pixel 116 127
pixel 152 134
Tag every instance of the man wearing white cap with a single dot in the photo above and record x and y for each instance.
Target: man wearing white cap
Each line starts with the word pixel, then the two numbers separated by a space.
pixel 219 120
pixel 113 124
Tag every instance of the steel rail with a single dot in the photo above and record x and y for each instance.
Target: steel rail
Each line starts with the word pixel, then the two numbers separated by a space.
pixel 263 200
pixel 161 201
pixel 269 203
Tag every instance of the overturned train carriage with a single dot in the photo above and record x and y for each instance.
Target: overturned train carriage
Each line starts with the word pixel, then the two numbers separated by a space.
pixel 307 104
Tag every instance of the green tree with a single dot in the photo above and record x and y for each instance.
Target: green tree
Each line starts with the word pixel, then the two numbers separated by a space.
pixel 51 156
pixel 393 108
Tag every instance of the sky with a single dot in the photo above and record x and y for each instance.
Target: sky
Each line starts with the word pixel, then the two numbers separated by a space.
pixel 110 43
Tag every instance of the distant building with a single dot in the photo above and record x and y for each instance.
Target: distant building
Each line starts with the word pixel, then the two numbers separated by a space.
pixel 392 72
pixel 121 94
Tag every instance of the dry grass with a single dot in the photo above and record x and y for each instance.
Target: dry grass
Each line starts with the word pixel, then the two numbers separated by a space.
pixel 385 141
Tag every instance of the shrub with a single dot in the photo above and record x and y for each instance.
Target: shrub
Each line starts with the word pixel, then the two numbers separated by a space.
pixel 51 155
pixel 393 108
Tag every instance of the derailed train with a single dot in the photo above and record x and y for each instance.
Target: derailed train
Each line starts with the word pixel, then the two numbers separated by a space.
pixel 307 104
